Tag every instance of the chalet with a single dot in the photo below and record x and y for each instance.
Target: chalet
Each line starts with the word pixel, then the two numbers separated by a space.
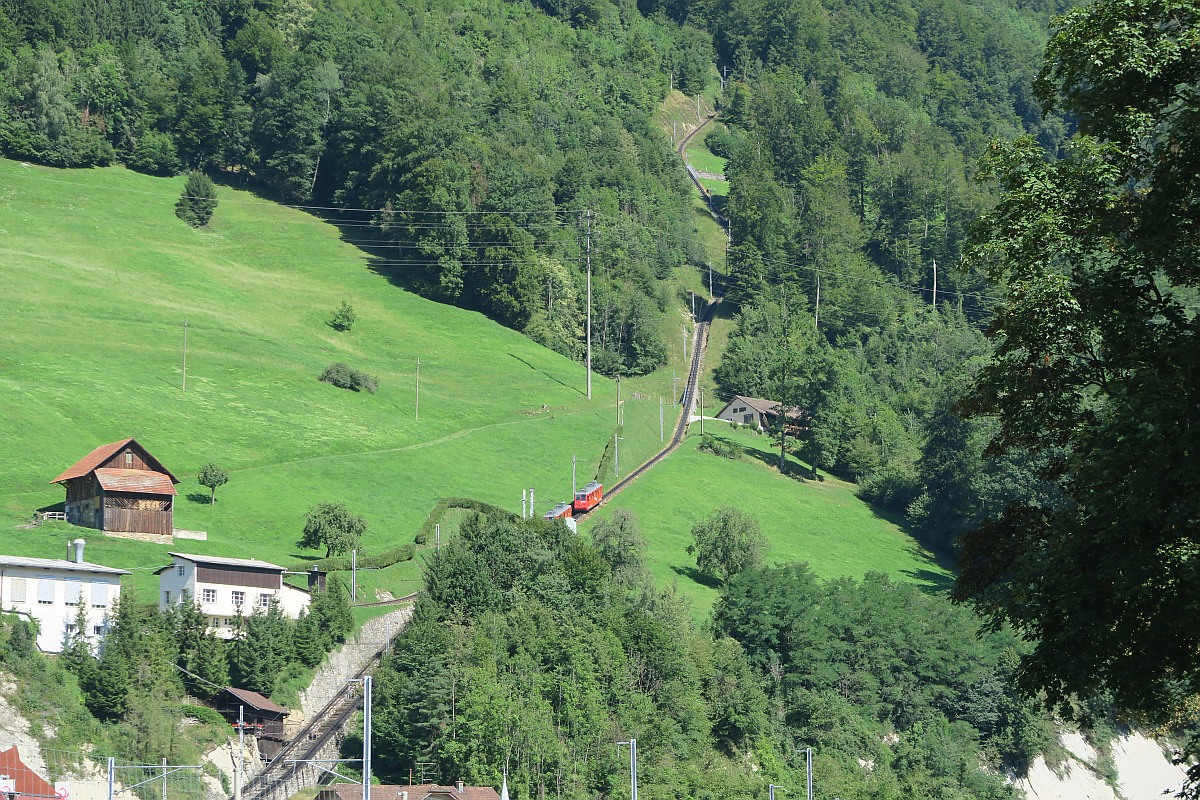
pixel 424 791
pixel 52 591
pixel 758 412
pixel 121 488
pixel 18 780
pixel 227 587
pixel 262 718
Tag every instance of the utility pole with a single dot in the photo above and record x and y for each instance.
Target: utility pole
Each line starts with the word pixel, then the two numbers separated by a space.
pixel 701 388
pixel 817 316
pixel 353 577
pixel 366 756
pixel 693 306
pixel 588 214
pixel 808 776
pixel 532 513
pixel 524 500
pixel 711 294
pixel 632 767
pixel 685 344
pixel 618 400
pixel 185 327
pixel 617 455
pixel 771 790
pixel 674 387
pixel 437 535
pixel 697 107
pixel 418 388
pixel 573 484
pixel 660 419
pixel 239 776
pixel 935 284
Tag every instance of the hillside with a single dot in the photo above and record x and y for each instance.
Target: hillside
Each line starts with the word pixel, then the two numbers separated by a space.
pixel 100 277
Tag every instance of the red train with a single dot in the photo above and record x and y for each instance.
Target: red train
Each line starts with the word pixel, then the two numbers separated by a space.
pixel 560 511
pixel 588 497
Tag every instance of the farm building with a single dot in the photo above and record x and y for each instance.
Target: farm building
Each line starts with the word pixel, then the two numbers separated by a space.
pixel 53 590
pixel 121 488
pixel 227 587
pixel 757 412
pixel 18 780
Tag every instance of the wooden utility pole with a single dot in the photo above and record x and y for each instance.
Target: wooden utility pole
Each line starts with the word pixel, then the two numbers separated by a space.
pixel 588 213
pixel 185 327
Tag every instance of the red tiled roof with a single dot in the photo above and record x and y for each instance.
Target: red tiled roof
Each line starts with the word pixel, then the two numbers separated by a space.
pixel 28 782
pixel 432 791
pixel 257 701
pixel 101 454
pixel 134 480
pixel 92 460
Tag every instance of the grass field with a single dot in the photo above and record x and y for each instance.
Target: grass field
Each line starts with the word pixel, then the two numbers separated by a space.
pixel 99 277
pixel 820 522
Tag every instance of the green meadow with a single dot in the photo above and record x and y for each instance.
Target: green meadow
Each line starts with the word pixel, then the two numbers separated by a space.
pixel 821 522
pixel 99 278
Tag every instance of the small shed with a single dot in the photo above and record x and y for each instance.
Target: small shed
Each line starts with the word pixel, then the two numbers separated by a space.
pixel 263 718
pixel 17 777
pixel 121 488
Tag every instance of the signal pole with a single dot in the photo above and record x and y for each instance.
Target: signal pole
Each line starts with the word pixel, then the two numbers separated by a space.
pixel 660 419
pixel 618 400
pixel 632 767
pixel 573 485
pixel 617 455
pixel 185 326
pixel 588 215
pixel 531 512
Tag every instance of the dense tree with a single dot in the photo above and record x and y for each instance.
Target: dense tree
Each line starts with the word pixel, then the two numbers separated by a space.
pixel 727 543
pixel 198 201
pixel 1095 368
pixel 618 540
pixel 332 526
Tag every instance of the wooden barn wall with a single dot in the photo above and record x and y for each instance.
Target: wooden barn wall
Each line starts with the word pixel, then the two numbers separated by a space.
pixel 138 461
pixel 255 579
pixel 132 513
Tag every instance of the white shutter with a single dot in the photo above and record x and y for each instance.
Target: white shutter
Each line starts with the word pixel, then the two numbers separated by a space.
pixel 99 595
pixel 18 591
pixel 74 591
pixel 45 584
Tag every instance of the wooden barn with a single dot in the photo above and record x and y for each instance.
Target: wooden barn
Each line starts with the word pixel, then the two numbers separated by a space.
pixel 120 488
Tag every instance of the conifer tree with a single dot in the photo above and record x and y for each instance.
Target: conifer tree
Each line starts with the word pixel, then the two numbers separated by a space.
pixel 198 201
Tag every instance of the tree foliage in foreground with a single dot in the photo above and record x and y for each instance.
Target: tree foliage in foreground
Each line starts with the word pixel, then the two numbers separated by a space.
pixel 1096 368
pixel 534 650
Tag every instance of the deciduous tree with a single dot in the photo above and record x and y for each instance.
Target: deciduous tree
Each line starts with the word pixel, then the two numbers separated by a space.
pixel 332 526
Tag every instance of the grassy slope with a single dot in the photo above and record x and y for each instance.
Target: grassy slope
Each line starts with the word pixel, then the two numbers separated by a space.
pixel 820 522
pixel 100 275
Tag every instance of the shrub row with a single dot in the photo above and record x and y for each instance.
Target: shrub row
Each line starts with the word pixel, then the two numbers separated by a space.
pixel 378 561
pixel 447 503
pixel 720 447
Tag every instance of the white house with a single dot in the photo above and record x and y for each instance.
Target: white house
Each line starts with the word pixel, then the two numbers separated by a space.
pixel 226 587
pixel 52 591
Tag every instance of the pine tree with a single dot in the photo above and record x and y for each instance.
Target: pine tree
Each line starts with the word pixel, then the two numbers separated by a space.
pixel 198 201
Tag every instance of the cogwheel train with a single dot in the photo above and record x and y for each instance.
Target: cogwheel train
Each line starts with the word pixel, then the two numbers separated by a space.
pixel 586 499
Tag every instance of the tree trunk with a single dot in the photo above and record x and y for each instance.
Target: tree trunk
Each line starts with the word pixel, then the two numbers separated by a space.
pixel 212 498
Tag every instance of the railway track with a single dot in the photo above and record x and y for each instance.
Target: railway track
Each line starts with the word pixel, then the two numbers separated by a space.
pixel 699 344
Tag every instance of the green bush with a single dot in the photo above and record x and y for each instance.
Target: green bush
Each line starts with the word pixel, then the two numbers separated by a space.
pixel 343 319
pixel 720 447
pixel 346 377
pixel 155 154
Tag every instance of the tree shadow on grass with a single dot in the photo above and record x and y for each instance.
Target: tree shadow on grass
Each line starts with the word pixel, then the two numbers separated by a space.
pixel 699 577
pixel 931 582
pixel 548 375
pixel 199 497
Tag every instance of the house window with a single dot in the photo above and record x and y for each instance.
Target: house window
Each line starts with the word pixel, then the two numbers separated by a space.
pixel 166 598
pixel 98 630
pixel 74 593
pixel 45 592
pixel 209 595
pixel 128 458
pixel 179 570
pixel 70 628
pixel 239 598
pixel 18 590
pixel 99 595
pixel 748 418
pixel 264 601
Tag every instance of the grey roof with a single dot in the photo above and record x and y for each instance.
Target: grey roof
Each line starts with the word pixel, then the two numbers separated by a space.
pixel 253 563
pixel 58 563
pixel 757 403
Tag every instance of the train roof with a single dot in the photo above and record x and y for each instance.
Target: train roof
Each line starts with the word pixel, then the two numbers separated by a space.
pixel 558 509
pixel 591 487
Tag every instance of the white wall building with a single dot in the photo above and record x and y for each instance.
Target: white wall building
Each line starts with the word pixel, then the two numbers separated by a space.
pixel 225 587
pixel 52 591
